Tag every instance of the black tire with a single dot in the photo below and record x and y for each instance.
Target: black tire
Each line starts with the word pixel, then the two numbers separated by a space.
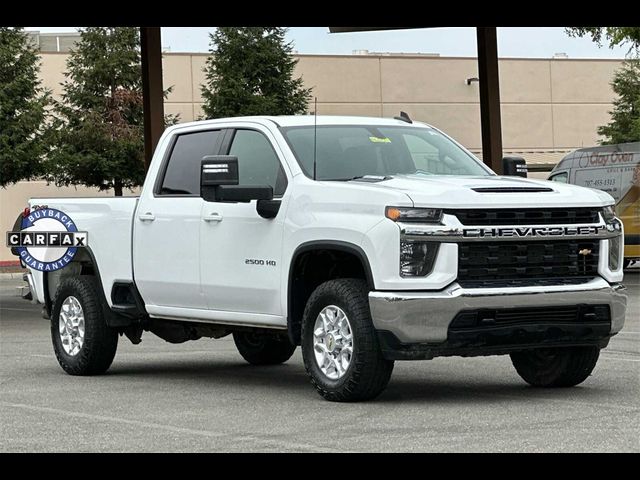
pixel 100 341
pixel 368 373
pixel 626 263
pixel 555 367
pixel 263 349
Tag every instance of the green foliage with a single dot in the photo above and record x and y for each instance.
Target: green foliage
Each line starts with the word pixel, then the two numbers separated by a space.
pixel 614 35
pixel 625 117
pixel 251 73
pixel 22 108
pixel 98 136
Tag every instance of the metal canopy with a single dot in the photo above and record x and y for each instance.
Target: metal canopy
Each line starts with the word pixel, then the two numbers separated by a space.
pixel 153 93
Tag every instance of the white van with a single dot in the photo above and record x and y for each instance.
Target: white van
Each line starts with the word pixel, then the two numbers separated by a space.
pixel 616 170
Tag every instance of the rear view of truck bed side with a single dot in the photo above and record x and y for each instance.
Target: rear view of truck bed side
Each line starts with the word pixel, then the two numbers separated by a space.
pixel 108 222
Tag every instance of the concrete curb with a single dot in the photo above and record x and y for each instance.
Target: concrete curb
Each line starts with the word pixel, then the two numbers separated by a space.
pixel 11 276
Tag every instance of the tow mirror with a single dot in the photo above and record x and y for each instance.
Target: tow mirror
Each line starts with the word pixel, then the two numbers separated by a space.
pixel 514 166
pixel 218 170
pixel 219 182
pixel 236 193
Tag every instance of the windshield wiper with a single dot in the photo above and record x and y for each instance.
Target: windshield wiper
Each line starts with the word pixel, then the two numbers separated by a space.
pixel 363 178
pixel 371 178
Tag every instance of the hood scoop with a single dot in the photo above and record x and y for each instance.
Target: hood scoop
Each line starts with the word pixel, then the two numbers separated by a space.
pixel 512 189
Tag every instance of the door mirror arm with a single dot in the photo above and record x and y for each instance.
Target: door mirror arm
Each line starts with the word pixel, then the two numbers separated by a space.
pixel 268 208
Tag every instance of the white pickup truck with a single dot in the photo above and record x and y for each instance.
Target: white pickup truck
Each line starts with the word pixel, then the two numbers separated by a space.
pixel 363 240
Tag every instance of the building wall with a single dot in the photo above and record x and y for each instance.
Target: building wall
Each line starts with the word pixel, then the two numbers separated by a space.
pixel 549 107
pixel 547 104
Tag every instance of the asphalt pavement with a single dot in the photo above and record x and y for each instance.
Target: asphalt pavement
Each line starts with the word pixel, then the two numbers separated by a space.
pixel 202 396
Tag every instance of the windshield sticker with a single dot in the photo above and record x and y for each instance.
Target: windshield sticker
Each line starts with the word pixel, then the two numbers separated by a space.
pixel 380 140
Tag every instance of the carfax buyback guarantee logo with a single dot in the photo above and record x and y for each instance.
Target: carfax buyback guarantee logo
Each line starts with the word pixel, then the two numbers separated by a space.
pixel 48 239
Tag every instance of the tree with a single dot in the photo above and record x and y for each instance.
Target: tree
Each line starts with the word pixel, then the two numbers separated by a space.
pixel 614 35
pixel 99 138
pixel 625 116
pixel 251 73
pixel 22 108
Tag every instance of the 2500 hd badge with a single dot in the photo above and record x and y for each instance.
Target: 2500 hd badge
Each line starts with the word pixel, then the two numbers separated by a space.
pixel 257 261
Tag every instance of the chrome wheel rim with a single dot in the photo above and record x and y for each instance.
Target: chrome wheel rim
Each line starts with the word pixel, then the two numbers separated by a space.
pixel 71 325
pixel 333 342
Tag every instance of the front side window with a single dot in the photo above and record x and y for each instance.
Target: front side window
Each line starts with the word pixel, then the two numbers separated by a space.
pixel 258 164
pixel 344 152
pixel 182 175
pixel 560 177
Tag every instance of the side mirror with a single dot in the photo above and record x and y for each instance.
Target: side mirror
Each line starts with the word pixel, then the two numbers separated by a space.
pixel 219 182
pixel 237 193
pixel 514 166
pixel 218 170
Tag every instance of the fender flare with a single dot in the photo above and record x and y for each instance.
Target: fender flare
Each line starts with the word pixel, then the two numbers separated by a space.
pixel 113 319
pixel 347 247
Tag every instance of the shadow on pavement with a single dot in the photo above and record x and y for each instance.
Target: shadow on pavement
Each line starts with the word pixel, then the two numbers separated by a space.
pixel 291 380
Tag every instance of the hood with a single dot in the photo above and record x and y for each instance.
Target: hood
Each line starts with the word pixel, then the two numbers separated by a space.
pixel 441 191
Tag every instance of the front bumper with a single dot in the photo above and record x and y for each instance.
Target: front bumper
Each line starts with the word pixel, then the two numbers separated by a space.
pixel 423 318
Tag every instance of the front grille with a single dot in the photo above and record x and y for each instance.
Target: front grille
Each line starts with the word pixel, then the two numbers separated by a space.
pixel 496 263
pixel 526 216
pixel 526 282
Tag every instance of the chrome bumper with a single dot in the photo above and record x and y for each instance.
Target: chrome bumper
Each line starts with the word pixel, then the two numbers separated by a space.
pixel 424 317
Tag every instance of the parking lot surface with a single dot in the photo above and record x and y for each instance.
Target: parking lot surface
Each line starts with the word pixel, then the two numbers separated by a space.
pixel 202 396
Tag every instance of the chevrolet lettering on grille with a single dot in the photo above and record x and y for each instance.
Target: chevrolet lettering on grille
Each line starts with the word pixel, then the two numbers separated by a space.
pixel 523 232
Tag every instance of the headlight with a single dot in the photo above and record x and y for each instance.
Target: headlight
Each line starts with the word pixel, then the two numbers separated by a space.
pixel 614 253
pixel 419 215
pixel 416 258
pixel 609 213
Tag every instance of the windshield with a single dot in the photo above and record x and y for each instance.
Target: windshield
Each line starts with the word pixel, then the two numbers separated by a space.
pixel 344 152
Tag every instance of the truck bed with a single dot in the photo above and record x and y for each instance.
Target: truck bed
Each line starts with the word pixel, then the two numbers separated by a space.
pixel 109 223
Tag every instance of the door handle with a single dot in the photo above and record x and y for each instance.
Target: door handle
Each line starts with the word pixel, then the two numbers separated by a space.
pixel 213 217
pixel 147 217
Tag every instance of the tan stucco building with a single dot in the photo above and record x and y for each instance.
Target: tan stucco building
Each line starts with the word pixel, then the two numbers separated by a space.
pixel 549 106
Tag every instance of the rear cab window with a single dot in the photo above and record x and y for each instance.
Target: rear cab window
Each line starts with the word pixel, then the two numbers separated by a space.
pixel 182 170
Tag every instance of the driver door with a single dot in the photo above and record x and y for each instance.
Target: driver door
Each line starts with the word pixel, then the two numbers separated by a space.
pixel 241 252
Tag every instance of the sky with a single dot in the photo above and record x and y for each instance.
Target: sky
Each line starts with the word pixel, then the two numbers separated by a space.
pixel 527 42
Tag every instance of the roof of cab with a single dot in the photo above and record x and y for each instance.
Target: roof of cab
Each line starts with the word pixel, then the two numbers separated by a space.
pixel 309 120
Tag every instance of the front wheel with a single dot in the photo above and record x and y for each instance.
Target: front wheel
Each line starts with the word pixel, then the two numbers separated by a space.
pixel 339 344
pixel 83 343
pixel 555 367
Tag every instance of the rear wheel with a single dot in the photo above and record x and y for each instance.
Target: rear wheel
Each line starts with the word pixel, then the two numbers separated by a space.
pixel 263 349
pixel 555 367
pixel 82 341
pixel 339 344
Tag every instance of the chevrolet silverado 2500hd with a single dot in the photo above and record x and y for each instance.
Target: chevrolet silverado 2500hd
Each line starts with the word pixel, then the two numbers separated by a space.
pixel 363 240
